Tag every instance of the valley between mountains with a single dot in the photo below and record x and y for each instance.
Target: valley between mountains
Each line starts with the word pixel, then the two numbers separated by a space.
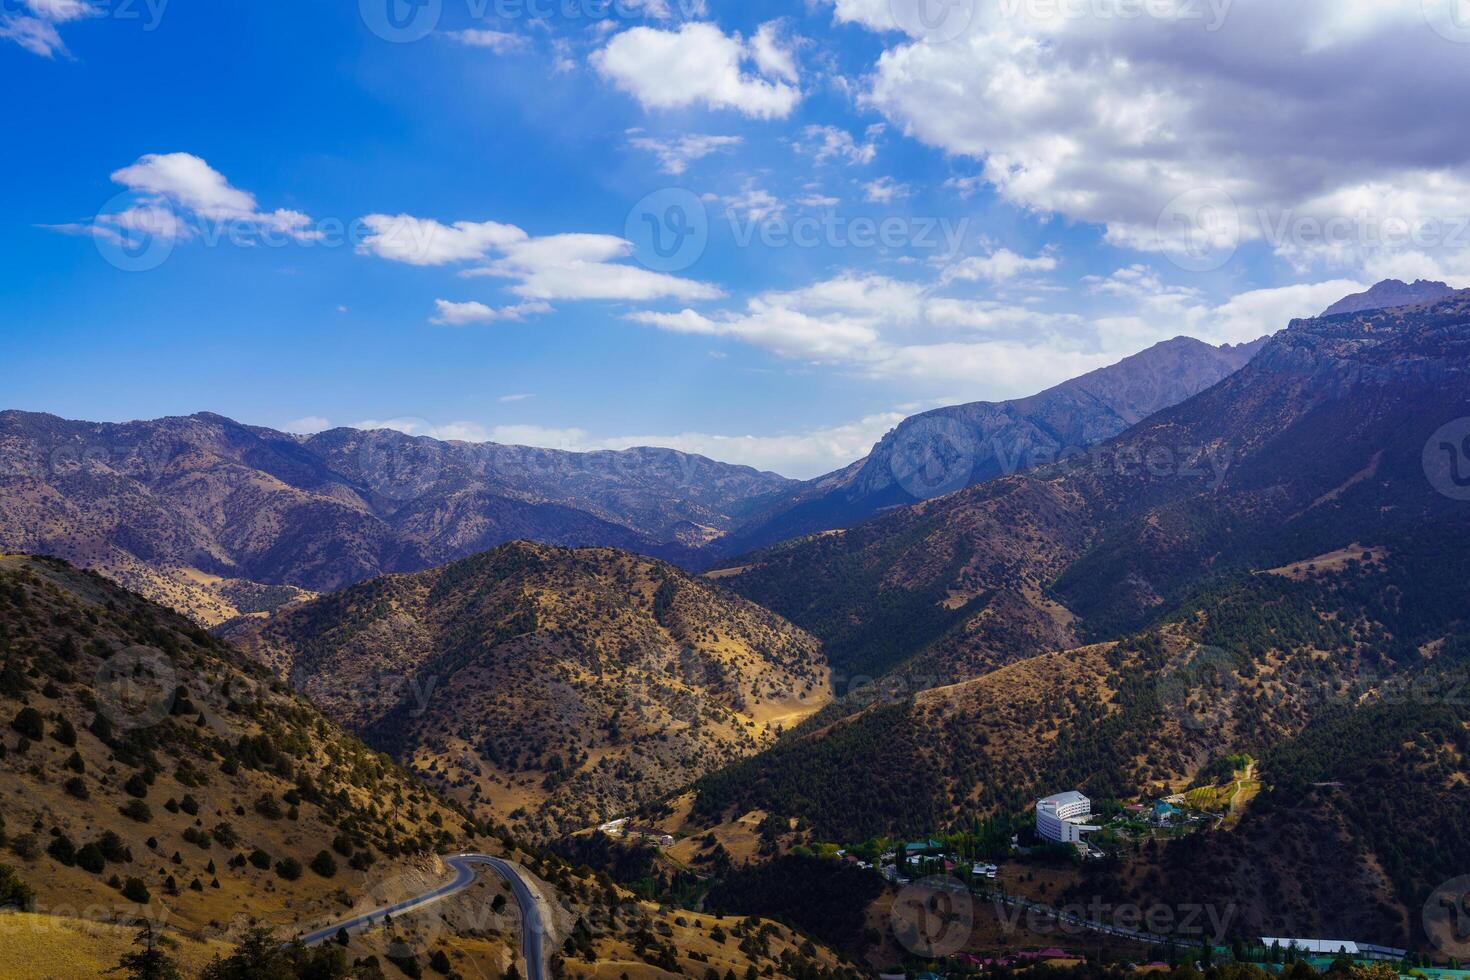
pixel 1199 569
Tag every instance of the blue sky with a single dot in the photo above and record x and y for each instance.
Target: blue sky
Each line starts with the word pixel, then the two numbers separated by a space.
pixel 299 214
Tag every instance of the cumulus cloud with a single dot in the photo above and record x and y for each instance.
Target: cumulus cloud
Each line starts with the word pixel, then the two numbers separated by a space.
pixel 174 193
pixel 551 267
pixel 424 241
pixel 698 64
pixel 1109 120
pixel 674 155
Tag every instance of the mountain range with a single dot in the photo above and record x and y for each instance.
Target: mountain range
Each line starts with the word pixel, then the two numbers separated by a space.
pixel 224 520
pixel 221 519
pixel 948 449
pixel 1259 569
pixel 1126 584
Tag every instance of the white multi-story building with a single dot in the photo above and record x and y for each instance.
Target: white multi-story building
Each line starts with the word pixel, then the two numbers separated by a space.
pixel 1063 818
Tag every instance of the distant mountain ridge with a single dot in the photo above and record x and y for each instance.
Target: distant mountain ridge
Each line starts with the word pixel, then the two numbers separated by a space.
pixel 950 448
pixel 1046 559
pixel 1388 294
pixel 220 519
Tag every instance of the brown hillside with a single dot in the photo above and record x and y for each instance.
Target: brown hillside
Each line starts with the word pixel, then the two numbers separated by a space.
pixel 139 708
pixel 550 687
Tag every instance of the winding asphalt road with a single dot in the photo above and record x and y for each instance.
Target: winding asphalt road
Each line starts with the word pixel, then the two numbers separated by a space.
pixel 533 927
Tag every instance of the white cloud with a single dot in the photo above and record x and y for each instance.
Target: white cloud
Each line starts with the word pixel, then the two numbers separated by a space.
pixel 175 190
pixel 511 399
pixel 306 426
pixel 697 65
pixel 826 143
pixel 1002 368
pixel 837 320
pixel 781 329
pixel 580 266
pixel 424 241
pixel 885 190
pixel 551 267
pixel 1110 119
pixel 562 59
pixel 753 203
pixel 773 56
pixel 818 202
pixel 35 35
pixel 800 454
pixel 449 431
pixel 878 327
pixel 675 155
pixel 500 42
pixel 1160 311
pixel 187 181
pixel 461 314
pixel 32 23
pixel 989 317
pixel 999 266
